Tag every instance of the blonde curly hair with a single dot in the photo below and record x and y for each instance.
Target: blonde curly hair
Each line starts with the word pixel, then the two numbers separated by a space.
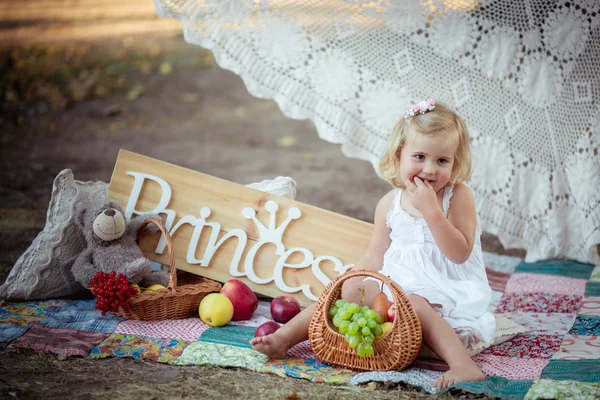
pixel 440 121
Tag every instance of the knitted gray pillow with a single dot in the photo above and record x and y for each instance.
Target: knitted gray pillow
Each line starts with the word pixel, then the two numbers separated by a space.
pixel 44 270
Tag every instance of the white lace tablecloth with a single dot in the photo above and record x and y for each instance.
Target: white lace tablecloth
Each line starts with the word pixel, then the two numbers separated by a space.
pixel 525 75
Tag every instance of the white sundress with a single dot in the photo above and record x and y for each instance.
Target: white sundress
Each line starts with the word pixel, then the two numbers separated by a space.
pixel 417 264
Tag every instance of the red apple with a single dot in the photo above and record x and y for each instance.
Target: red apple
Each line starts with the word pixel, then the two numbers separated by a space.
pixel 266 329
pixel 242 297
pixel 284 308
pixel 391 312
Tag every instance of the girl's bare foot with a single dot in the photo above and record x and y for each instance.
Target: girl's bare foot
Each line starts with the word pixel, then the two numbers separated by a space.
pixel 271 345
pixel 459 373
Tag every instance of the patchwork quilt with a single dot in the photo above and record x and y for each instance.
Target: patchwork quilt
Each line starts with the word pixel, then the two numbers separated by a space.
pixel 558 302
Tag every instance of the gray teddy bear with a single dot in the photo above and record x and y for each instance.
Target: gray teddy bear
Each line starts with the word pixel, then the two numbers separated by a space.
pixel 112 246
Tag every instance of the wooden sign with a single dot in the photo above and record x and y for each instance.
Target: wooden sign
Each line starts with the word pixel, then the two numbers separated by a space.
pixel 223 230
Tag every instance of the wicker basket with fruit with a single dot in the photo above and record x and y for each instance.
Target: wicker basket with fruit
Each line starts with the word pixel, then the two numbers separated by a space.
pixel 358 348
pixel 174 302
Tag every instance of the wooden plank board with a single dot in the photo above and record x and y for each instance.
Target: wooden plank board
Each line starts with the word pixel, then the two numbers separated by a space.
pixel 280 249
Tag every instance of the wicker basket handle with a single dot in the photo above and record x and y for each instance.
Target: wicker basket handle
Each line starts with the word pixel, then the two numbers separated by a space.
pixel 157 221
pixel 397 292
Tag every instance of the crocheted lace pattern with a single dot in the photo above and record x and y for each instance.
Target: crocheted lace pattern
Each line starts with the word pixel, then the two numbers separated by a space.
pixel 523 74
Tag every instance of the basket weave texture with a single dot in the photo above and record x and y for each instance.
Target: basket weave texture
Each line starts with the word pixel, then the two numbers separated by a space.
pixel 393 351
pixel 172 302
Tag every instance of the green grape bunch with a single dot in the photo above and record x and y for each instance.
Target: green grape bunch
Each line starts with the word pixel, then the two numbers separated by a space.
pixel 360 325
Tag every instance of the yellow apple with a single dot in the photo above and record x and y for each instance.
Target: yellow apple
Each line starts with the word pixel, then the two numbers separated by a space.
pixel 137 287
pixel 156 286
pixel 385 327
pixel 216 309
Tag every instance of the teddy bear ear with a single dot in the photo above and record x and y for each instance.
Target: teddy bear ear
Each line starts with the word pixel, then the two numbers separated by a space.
pixel 113 204
pixel 84 213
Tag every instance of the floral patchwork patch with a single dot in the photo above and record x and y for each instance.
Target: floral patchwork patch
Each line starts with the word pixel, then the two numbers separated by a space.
pixel 25 313
pixel 527 346
pixel 157 350
pixel 308 368
pixel 550 389
pixel 586 325
pixel 539 303
pixel 205 353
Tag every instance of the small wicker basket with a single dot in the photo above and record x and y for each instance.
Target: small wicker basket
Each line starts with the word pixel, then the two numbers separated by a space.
pixel 393 351
pixel 172 302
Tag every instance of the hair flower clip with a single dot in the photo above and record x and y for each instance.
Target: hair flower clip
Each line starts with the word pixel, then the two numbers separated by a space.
pixel 421 108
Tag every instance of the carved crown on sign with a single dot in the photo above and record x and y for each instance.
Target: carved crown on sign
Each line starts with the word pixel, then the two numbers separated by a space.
pixel 272 234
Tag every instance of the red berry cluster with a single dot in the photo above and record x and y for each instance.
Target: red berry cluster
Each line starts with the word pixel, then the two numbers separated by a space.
pixel 112 290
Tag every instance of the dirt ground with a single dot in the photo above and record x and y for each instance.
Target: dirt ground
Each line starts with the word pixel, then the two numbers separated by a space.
pixel 74 106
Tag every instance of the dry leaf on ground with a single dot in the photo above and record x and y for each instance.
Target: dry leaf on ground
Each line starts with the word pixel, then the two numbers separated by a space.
pixel 286 141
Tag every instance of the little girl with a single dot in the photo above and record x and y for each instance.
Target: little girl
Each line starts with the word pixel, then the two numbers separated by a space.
pixel 426 239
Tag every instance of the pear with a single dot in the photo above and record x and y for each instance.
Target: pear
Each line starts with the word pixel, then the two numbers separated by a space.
pixel 380 305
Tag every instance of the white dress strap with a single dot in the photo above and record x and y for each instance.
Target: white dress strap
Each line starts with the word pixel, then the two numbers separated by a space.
pixel 395 209
pixel 397 199
pixel 448 191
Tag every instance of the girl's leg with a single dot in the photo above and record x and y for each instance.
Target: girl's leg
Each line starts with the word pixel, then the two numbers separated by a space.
pixel 351 290
pixel 277 344
pixel 442 339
